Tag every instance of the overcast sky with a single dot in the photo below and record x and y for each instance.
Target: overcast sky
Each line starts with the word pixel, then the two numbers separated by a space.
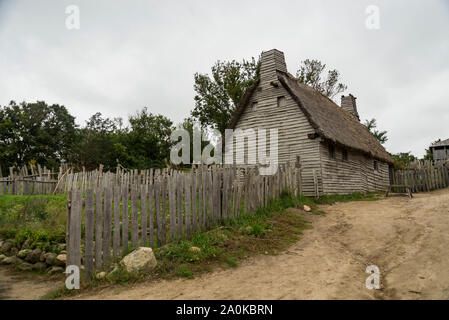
pixel 131 54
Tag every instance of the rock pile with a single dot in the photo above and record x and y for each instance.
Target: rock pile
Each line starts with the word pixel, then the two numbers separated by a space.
pixel 26 259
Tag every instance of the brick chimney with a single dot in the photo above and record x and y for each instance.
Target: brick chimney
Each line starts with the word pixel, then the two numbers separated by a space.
pixel 271 61
pixel 348 103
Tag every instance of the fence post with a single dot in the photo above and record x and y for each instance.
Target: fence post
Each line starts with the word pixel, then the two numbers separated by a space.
pixel 74 248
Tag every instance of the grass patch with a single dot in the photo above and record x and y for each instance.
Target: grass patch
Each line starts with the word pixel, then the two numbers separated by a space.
pixel 40 219
pixel 356 196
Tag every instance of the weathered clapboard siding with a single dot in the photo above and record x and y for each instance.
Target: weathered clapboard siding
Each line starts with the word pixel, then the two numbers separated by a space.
pixel 356 174
pixel 293 128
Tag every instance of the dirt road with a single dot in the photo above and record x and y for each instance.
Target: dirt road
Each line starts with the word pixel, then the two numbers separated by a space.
pixel 18 287
pixel 407 239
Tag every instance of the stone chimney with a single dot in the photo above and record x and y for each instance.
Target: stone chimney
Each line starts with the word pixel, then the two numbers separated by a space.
pixel 348 103
pixel 270 61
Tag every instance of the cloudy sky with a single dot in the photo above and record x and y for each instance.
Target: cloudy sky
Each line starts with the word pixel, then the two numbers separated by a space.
pixel 131 54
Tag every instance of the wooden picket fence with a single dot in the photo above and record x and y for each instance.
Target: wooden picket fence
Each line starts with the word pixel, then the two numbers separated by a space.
pixel 28 180
pixel 423 178
pixel 104 223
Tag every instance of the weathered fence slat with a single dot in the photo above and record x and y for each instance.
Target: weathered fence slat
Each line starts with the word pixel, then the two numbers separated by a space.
pixel 89 234
pixel 74 252
pixel 116 238
pixel 134 216
pixel 107 226
pixel 98 228
pixel 125 218
pixel 144 213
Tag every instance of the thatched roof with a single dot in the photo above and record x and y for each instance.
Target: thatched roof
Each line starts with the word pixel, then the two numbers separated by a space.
pixel 440 143
pixel 330 121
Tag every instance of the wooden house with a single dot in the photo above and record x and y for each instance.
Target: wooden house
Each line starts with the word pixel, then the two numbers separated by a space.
pixel 335 149
pixel 440 150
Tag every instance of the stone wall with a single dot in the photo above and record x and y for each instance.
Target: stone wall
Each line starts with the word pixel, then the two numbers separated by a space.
pixel 25 258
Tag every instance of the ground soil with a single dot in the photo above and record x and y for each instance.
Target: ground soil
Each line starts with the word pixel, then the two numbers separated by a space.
pixel 407 239
pixel 14 286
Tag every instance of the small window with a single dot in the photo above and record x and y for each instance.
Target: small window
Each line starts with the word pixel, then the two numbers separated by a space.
pixel 331 151
pixel 281 102
pixel 254 106
pixel 376 165
pixel 344 155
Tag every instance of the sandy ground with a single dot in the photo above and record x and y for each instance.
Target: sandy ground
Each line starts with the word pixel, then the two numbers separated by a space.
pixel 17 287
pixel 407 239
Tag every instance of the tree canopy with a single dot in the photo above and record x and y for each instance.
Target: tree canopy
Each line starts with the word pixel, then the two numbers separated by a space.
pixel 381 136
pixel 218 95
pixel 402 160
pixel 311 73
pixel 35 133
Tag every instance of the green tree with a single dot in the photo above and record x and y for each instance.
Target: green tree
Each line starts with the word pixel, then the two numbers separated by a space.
pixel 311 72
pixel 381 136
pixel 35 132
pixel 188 124
pixel 97 143
pixel 402 160
pixel 218 95
pixel 149 139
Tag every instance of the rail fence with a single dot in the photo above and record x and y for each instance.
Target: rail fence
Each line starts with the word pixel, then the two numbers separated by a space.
pixel 104 222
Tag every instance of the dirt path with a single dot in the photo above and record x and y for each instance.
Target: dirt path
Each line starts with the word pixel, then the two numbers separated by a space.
pixel 17 287
pixel 407 239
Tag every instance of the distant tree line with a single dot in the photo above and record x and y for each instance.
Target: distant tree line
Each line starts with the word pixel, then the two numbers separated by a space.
pixel 37 133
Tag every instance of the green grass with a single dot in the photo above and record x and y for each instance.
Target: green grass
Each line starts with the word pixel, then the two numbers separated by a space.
pixel 356 196
pixel 40 219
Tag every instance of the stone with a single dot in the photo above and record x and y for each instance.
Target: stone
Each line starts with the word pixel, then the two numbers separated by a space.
pixel 6 246
pixel 23 253
pixel 140 260
pixel 307 208
pixel 39 266
pixel 63 252
pixel 62 246
pixel 34 256
pixel 115 271
pixel 26 244
pixel 13 251
pixel 50 259
pixel 12 260
pixel 61 259
pixel 2 257
pixel 42 257
pixel 25 266
pixel 101 275
pixel 249 229
pixel 1 243
pixel 194 249
pixel 55 269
